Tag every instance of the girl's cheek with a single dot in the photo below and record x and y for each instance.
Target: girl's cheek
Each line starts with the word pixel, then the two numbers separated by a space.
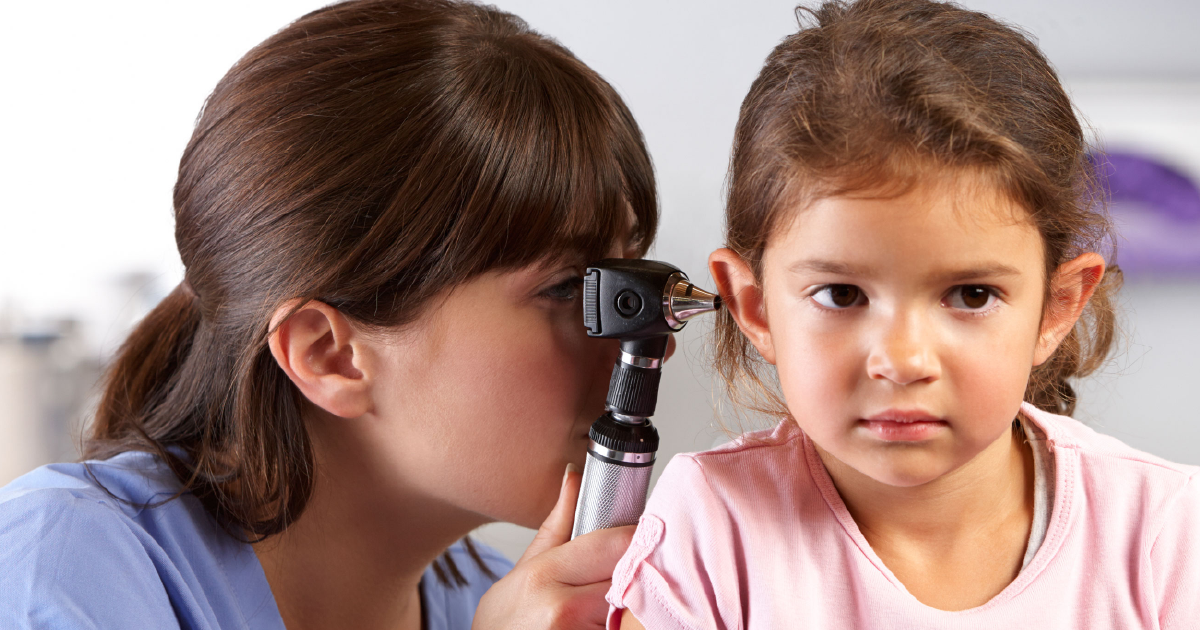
pixel 818 365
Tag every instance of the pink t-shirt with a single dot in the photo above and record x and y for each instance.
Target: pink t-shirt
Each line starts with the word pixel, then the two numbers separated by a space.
pixel 754 535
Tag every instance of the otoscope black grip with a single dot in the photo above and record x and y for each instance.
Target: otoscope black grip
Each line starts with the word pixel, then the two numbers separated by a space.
pixel 624 438
pixel 633 391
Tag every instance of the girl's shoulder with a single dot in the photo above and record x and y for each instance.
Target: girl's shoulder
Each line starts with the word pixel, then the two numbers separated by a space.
pixel 1138 509
pixel 754 466
pixel 768 465
pixel 718 518
pixel 1098 454
pixel 1127 493
pixel 1114 476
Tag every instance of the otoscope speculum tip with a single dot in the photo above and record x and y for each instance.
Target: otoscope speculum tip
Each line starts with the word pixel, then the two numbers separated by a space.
pixel 683 300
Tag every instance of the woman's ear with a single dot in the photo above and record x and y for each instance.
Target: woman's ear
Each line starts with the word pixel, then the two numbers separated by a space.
pixel 324 356
pixel 743 297
pixel 1071 287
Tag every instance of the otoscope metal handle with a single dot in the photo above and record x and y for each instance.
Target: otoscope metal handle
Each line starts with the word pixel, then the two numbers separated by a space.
pixel 615 482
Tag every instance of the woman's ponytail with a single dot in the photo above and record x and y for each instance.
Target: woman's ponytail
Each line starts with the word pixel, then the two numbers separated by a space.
pixel 212 404
pixel 144 372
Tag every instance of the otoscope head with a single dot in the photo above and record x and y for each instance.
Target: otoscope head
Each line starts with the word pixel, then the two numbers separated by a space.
pixel 640 302
pixel 632 299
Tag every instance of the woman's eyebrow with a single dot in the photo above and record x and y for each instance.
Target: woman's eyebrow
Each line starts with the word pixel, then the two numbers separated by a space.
pixel 571 258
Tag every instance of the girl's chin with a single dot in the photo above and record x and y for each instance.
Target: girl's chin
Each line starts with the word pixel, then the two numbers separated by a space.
pixel 908 469
pixel 909 474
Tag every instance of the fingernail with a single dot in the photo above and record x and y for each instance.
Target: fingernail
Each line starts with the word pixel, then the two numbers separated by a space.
pixel 572 468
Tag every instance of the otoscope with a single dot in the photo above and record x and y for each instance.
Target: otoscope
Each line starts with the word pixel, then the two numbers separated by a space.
pixel 640 302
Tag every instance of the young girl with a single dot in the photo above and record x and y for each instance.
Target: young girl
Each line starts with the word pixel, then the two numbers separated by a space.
pixel 912 247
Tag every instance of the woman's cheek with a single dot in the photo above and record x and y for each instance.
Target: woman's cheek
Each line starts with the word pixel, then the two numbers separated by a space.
pixel 536 393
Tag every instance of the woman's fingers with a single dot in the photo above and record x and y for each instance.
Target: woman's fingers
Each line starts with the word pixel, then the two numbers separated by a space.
pixel 556 529
pixel 558 583
pixel 561 588
pixel 586 608
pixel 588 559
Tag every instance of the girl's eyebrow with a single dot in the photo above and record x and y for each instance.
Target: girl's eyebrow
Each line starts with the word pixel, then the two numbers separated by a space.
pixel 983 270
pixel 986 270
pixel 816 265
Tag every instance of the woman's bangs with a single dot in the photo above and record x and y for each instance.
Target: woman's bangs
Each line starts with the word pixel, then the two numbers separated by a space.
pixel 566 168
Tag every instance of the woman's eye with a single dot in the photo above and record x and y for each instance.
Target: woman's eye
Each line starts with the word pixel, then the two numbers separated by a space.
pixel 566 290
pixel 838 296
pixel 970 298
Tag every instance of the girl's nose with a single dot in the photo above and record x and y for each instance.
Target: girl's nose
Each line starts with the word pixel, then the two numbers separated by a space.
pixel 670 347
pixel 904 355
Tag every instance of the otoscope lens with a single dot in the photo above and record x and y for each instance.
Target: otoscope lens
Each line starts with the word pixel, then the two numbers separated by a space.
pixel 628 303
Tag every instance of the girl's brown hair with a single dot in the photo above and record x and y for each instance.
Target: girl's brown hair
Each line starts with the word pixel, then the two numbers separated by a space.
pixel 880 90
pixel 370 155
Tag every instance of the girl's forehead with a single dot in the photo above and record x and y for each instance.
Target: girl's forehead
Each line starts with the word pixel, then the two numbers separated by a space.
pixel 958 222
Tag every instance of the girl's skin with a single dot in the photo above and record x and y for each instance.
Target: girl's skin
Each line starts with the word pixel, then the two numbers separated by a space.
pixel 904 329
pixel 471 414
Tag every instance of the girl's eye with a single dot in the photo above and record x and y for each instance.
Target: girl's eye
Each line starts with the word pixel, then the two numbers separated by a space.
pixel 565 291
pixel 970 297
pixel 838 296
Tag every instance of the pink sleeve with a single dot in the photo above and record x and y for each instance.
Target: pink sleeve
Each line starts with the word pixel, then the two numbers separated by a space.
pixel 1175 560
pixel 680 570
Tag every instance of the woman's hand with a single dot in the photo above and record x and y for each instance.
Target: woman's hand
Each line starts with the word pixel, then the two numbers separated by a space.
pixel 558 583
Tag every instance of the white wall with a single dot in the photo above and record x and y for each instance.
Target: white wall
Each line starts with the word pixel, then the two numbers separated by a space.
pixel 100 98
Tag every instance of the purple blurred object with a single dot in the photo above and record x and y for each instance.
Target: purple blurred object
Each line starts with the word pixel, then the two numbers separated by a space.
pixel 1157 212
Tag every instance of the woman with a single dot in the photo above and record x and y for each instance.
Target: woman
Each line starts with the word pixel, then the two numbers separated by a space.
pixel 383 213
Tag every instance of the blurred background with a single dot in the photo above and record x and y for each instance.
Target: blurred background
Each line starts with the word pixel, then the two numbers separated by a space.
pixel 100 98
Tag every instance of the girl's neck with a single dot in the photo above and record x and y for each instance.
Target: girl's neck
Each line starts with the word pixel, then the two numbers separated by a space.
pixel 353 560
pixel 954 542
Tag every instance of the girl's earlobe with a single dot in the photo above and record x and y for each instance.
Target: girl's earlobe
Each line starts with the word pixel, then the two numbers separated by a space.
pixel 743 297
pixel 1071 287
pixel 322 354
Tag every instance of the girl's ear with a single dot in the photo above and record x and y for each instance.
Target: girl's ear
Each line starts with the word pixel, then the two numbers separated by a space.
pixel 1072 286
pixel 323 354
pixel 743 297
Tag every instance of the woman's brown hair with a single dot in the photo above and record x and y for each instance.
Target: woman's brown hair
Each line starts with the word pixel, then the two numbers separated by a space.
pixel 873 93
pixel 370 155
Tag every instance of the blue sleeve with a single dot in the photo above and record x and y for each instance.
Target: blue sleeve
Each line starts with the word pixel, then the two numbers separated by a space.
pixel 68 562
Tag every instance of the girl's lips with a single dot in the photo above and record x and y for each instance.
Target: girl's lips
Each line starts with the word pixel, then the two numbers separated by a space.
pixel 903 426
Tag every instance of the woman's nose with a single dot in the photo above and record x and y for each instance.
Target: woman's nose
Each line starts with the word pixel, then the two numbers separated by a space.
pixel 610 354
pixel 904 354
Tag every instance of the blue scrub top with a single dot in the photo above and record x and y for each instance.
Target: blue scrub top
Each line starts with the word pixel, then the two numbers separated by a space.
pixel 72 556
